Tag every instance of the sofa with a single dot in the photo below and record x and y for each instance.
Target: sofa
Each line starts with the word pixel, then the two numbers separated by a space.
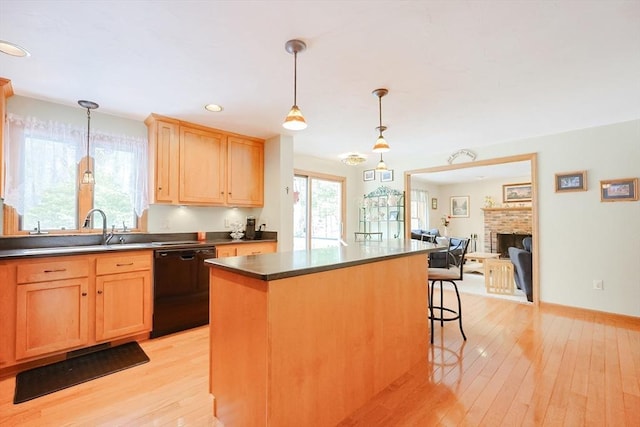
pixel 425 235
pixel 522 260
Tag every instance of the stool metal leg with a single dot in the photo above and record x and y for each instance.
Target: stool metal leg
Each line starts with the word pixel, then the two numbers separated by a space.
pixel 455 287
pixel 457 315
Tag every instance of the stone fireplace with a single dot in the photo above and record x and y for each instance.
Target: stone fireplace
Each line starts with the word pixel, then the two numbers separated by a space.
pixel 504 227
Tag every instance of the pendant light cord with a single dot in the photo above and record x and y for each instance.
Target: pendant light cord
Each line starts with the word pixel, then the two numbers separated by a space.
pixel 88 133
pixel 380 115
pixel 295 77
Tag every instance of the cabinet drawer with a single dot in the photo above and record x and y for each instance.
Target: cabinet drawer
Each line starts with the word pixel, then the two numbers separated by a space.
pixel 123 263
pixel 52 270
pixel 256 248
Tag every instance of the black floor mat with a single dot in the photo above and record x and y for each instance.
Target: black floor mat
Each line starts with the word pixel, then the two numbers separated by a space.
pixel 57 376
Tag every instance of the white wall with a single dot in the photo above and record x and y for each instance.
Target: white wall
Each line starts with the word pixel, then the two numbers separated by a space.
pixel 580 238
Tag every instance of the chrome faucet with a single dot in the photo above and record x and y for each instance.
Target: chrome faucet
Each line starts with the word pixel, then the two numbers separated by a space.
pixel 87 223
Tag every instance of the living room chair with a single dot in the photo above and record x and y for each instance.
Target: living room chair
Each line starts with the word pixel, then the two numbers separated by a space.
pixel 522 260
pixel 449 275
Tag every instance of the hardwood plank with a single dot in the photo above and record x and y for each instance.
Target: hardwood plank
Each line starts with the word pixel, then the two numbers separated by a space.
pixel 544 352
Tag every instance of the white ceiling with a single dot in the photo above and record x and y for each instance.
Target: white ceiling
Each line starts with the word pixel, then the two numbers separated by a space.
pixel 460 74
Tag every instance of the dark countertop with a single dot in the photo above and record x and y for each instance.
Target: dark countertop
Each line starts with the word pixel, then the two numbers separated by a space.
pixel 43 246
pixel 280 265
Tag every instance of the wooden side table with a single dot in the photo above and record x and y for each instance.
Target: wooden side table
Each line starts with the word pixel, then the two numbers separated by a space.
pixel 498 276
pixel 476 260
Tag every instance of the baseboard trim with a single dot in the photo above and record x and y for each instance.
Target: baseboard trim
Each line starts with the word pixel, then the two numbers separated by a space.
pixel 591 312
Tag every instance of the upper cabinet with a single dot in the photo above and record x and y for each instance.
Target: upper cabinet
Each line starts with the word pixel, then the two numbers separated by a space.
pixel 196 165
pixel 245 172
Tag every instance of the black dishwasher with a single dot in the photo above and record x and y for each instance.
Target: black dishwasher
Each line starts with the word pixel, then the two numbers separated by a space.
pixel 180 289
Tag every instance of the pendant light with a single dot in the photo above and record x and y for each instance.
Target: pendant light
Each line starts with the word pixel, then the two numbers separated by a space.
pixel 295 119
pixel 381 145
pixel 87 176
pixel 382 166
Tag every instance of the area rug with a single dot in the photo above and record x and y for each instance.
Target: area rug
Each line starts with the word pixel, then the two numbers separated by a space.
pixel 47 379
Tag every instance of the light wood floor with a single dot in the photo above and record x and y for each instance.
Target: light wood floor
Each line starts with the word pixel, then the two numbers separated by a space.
pixel 520 366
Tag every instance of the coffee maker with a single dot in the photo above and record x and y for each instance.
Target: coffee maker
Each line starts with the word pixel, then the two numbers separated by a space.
pixel 250 229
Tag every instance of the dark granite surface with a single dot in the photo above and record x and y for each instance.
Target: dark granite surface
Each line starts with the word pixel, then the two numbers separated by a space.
pixel 58 245
pixel 280 265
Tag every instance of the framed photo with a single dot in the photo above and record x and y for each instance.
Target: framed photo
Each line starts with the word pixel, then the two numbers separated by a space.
pixel 459 207
pixel 369 175
pixel 516 192
pixel 571 181
pixel 393 215
pixel 619 190
pixel 386 176
pixel 434 203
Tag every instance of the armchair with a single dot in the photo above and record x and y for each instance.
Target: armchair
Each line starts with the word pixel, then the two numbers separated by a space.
pixel 522 260
pixel 450 256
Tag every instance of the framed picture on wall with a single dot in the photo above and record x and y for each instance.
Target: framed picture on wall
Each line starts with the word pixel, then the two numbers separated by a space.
pixel 386 176
pixel 369 175
pixel 619 190
pixel 459 207
pixel 516 192
pixel 434 203
pixel 571 181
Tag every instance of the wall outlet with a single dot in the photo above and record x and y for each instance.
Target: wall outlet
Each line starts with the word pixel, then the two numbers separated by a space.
pixel 227 223
pixel 597 284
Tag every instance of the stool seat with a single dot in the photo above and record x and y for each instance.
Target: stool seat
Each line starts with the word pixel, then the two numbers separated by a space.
pixel 438 276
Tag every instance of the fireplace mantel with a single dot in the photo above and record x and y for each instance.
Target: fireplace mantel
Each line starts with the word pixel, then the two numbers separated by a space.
pixel 515 208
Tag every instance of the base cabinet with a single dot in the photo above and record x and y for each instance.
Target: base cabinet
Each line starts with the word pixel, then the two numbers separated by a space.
pixel 67 303
pixel 51 316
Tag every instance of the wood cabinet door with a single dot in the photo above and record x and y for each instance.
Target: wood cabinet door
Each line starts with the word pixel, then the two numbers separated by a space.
pixel 165 167
pixel 123 304
pixel 245 172
pixel 202 167
pixel 51 316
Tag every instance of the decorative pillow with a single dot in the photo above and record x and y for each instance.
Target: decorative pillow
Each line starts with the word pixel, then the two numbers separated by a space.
pixel 442 241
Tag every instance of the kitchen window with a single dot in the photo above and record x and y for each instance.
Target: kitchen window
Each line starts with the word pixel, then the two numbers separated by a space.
pixel 44 164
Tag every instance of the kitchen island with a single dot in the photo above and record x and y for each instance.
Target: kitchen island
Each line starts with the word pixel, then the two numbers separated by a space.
pixel 305 338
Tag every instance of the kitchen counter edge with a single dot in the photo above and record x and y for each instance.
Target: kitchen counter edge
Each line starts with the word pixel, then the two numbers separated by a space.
pixel 280 265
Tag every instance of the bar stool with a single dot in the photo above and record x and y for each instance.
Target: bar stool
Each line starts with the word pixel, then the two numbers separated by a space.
pixel 451 275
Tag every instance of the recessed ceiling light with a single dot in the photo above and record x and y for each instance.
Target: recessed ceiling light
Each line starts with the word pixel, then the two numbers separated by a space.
pixel 13 49
pixel 214 108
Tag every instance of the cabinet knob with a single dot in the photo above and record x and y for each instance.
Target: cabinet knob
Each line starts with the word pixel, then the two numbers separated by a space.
pixel 222 192
pixel 99 292
pixel 84 294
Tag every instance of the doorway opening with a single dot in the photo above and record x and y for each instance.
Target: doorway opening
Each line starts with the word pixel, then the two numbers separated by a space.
pixel 318 210
pixel 412 179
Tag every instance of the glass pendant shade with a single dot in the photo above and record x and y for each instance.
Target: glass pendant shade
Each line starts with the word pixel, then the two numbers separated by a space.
pixel 381 145
pixel 87 177
pixel 382 166
pixel 294 120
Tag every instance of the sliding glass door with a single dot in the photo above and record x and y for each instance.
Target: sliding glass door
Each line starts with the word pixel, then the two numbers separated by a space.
pixel 318 211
